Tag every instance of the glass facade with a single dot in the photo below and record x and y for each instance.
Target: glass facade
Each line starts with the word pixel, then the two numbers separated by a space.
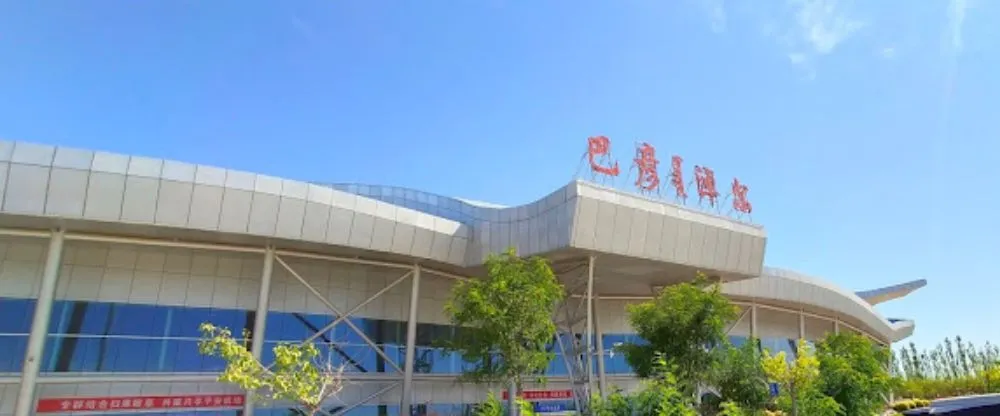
pixel 15 324
pixel 121 337
pixel 442 206
pixel 777 345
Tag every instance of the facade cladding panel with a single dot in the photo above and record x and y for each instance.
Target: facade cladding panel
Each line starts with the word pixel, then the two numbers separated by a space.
pixel 128 299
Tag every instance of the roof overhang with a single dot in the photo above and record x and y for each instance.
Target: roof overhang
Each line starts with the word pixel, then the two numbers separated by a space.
pixel 793 290
pixel 885 294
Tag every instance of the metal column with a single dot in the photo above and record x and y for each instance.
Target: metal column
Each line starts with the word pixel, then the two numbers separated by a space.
pixel 40 326
pixel 802 326
pixel 589 332
pixel 602 380
pixel 753 320
pixel 260 318
pixel 411 340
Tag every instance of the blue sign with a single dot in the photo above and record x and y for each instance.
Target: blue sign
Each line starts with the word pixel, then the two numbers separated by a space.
pixel 552 407
pixel 774 389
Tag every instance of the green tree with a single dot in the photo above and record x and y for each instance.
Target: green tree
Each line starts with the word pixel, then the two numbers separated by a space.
pixel 854 371
pixel 733 409
pixel 298 375
pixel 679 324
pixel 493 407
pixel 660 396
pixel 799 391
pixel 739 376
pixel 505 319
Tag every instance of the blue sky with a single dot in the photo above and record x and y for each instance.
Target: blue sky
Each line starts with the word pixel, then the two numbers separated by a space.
pixel 865 130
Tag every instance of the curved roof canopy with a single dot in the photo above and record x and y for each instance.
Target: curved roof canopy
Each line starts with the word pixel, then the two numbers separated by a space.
pixel 791 288
pixel 885 294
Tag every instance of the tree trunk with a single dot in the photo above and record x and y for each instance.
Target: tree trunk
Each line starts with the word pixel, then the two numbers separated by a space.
pixel 795 400
pixel 512 391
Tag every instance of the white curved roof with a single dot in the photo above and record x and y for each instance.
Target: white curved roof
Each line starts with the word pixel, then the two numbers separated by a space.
pixel 885 294
pixel 789 287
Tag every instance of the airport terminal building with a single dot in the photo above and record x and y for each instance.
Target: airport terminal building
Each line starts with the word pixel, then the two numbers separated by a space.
pixel 109 263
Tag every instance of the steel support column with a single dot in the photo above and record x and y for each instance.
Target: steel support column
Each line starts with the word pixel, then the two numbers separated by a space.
pixel 411 340
pixel 260 318
pixel 753 320
pixel 40 325
pixel 589 331
pixel 602 380
pixel 802 326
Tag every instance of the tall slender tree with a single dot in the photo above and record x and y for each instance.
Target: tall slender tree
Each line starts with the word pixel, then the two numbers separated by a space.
pixel 504 319
pixel 680 324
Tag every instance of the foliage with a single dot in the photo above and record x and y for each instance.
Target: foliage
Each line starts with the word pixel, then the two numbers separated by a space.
pixel 739 376
pixel 732 409
pixel 494 407
pixel 678 324
pixel 505 318
pixel 908 404
pixel 297 374
pixel 799 383
pixel 854 371
pixel 660 396
pixel 952 368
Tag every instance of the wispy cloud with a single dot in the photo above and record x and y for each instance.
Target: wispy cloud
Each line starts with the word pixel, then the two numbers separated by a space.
pixel 819 27
pixel 717 12
pixel 888 52
pixel 957 10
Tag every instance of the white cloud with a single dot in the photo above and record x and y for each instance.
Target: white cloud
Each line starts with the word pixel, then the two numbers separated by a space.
pixel 888 52
pixel 717 12
pixel 820 26
pixel 957 10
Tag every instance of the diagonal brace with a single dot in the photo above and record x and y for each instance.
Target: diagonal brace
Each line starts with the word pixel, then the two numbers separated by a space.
pixel 336 311
pixel 357 308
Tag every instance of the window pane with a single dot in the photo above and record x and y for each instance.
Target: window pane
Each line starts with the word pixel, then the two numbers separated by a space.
pixel 17 315
pixel 12 348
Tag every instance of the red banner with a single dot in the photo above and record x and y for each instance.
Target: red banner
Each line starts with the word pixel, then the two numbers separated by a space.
pixel 531 395
pixel 88 404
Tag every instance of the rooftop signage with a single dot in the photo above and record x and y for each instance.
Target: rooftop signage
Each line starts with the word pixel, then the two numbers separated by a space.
pixel 648 182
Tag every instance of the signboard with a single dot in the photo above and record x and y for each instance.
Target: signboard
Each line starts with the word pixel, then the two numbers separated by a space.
pixel 537 395
pixel 552 407
pixel 647 177
pixel 89 404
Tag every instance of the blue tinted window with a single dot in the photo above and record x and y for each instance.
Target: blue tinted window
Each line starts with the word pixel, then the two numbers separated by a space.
pixel 776 345
pixel 12 348
pixel 118 337
pixel 16 315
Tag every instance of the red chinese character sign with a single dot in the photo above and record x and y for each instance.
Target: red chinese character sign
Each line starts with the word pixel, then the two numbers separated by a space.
pixel 740 202
pixel 705 180
pixel 645 162
pixel 648 178
pixel 677 179
pixel 116 404
pixel 599 156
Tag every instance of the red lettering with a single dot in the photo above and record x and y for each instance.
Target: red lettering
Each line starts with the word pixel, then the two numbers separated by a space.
pixel 645 161
pixel 705 179
pixel 64 404
pixel 599 150
pixel 740 202
pixel 677 177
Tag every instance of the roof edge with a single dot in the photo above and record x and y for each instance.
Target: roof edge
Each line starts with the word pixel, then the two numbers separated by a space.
pixel 885 294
